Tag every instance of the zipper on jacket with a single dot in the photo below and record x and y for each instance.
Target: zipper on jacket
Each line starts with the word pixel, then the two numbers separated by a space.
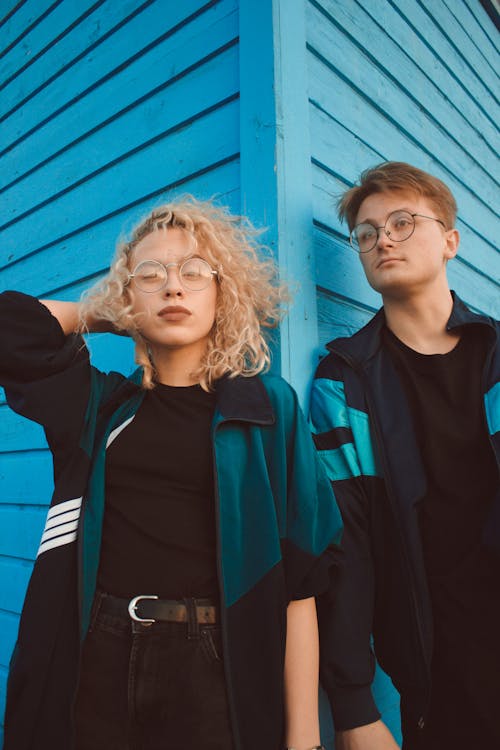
pixel 391 495
pixel 223 621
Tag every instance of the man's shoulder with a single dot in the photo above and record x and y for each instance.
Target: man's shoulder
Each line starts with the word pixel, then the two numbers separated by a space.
pixel 345 353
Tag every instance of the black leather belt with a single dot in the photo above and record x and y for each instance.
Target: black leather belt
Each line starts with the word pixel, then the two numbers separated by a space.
pixel 148 609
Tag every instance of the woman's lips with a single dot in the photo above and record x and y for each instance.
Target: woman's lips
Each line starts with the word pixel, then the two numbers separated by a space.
pixel 174 312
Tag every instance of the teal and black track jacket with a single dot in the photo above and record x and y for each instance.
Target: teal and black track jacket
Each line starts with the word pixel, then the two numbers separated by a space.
pixel 363 430
pixel 275 511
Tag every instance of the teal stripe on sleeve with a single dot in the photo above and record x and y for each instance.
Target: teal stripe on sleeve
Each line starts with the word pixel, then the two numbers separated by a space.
pixel 341 463
pixel 492 407
pixel 328 405
pixel 329 410
pixel 360 426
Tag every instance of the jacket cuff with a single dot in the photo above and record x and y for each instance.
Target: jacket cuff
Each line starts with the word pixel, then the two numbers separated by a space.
pixel 352 707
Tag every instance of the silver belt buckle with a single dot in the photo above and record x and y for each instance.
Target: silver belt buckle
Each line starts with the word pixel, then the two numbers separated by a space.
pixel 132 608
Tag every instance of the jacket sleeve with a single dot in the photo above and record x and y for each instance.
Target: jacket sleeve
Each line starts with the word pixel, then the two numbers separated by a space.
pixel 314 525
pixel 346 612
pixel 46 375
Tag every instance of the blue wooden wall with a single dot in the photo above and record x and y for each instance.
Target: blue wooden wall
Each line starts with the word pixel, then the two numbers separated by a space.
pixel 272 106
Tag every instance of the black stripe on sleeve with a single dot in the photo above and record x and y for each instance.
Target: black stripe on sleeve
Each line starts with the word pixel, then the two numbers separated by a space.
pixel 333 439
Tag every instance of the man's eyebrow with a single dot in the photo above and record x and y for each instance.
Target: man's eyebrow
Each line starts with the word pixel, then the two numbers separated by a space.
pixel 394 210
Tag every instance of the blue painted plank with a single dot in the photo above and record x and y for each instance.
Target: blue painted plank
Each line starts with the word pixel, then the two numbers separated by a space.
pixel 474 48
pixel 25 477
pixel 21 529
pixel 483 20
pixel 368 137
pixel 412 116
pixel 9 625
pixel 7 10
pixel 41 37
pixel 154 68
pixel 476 291
pixel 150 27
pixel 14 579
pixel 64 53
pixel 18 25
pixel 411 57
pixel 207 141
pixel 201 89
pixel 338 317
pixel 452 49
pixel 52 272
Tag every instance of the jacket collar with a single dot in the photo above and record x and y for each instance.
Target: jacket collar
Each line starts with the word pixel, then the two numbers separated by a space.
pixel 364 344
pixel 244 399
pixel 237 398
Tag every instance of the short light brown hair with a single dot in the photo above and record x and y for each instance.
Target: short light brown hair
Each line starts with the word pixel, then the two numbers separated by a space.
pixel 398 176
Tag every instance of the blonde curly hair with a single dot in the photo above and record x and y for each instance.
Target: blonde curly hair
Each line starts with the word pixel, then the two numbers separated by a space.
pixel 250 298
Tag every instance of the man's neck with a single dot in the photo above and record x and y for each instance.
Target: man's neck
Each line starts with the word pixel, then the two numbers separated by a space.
pixel 420 321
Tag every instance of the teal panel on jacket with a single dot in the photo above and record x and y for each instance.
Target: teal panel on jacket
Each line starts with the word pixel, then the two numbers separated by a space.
pixel 271 487
pixel 249 536
pixel 313 517
pixel 492 407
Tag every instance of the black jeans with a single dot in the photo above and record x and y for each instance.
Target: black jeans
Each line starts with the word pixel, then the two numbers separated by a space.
pixel 146 687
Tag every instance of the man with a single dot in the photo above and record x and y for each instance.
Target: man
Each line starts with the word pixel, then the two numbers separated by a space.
pixel 406 416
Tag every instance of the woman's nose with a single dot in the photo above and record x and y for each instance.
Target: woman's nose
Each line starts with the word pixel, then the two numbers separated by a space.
pixel 173 285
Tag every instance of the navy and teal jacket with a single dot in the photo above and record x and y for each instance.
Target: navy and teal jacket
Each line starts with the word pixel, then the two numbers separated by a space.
pixel 275 512
pixel 363 430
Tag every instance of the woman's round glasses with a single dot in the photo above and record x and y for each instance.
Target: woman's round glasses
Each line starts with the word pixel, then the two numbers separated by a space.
pixel 398 227
pixel 150 276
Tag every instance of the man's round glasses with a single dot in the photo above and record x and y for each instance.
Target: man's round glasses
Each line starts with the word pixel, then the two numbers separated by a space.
pixel 398 227
pixel 151 276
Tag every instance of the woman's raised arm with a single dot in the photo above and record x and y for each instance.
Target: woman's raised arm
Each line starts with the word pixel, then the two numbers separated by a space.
pixel 68 315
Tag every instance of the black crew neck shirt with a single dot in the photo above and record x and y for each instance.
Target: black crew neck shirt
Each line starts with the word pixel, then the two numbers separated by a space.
pixel 159 534
pixel 445 397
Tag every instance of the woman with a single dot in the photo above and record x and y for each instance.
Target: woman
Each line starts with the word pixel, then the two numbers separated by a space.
pixel 172 601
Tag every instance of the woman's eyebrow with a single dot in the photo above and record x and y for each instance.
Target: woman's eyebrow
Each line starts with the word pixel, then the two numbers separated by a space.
pixel 182 258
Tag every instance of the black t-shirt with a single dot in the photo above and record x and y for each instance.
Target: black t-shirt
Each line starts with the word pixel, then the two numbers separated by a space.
pixel 445 397
pixel 159 533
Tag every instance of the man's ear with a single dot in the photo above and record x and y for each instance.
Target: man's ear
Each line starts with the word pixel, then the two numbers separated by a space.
pixel 452 238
